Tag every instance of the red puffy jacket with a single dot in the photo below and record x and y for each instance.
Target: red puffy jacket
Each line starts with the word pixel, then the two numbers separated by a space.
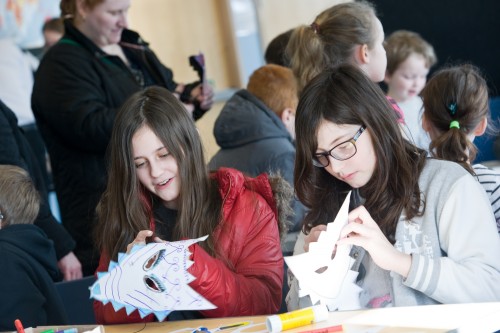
pixel 249 237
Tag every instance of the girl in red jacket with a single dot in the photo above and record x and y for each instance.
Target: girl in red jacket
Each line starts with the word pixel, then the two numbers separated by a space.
pixel 159 189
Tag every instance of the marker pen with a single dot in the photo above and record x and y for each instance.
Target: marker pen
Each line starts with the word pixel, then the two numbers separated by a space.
pixel 19 326
pixel 297 318
pixel 68 330
pixel 243 323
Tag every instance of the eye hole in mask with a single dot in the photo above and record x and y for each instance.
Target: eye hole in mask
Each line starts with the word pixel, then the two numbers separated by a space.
pixel 154 260
pixel 154 284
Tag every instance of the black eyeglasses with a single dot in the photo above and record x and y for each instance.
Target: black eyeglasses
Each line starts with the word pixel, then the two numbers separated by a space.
pixel 343 151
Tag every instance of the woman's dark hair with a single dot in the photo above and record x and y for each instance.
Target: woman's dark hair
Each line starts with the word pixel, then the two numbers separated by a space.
pixel 457 93
pixel 345 95
pixel 126 206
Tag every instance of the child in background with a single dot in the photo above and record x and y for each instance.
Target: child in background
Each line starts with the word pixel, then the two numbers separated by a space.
pixel 53 30
pixel 423 229
pixel 256 132
pixel 27 257
pixel 456 111
pixel 409 59
pixel 157 160
pixel 345 33
pixel 275 50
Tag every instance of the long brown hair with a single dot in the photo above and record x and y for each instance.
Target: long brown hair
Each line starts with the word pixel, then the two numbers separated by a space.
pixel 459 94
pixel 345 95
pixel 331 38
pixel 126 206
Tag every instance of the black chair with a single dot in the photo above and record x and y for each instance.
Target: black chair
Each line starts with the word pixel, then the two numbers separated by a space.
pixel 76 299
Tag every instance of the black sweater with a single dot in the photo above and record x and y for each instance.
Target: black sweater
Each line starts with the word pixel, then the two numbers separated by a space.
pixel 16 150
pixel 77 92
pixel 29 268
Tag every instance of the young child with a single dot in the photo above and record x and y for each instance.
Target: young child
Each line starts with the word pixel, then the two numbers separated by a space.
pixel 456 111
pixel 423 229
pixel 27 257
pixel 409 59
pixel 157 161
pixel 256 132
pixel 345 33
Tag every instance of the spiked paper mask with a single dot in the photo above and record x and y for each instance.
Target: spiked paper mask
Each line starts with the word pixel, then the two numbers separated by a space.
pixel 326 280
pixel 153 278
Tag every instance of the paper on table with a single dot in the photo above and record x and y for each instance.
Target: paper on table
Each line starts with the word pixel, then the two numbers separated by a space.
pixel 153 278
pixel 335 284
pixel 462 318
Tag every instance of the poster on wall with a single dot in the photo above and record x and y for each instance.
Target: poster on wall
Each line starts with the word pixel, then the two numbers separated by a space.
pixel 22 20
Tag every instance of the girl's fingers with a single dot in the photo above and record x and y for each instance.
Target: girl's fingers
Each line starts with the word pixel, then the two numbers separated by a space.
pixel 142 235
pixel 313 236
pixel 360 215
pixel 353 228
pixel 140 239
pixel 159 240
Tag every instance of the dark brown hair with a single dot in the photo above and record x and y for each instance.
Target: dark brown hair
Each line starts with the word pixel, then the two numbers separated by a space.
pixel 345 95
pixel 457 93
pixel 126 206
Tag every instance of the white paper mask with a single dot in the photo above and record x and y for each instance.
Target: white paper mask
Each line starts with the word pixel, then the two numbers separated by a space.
pixel 326 280
pixel 153 278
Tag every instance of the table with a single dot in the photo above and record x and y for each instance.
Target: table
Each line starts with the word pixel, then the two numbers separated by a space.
pixel 473 318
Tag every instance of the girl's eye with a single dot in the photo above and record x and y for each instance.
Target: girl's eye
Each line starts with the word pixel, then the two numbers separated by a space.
pixel 140 165
pixel 164 155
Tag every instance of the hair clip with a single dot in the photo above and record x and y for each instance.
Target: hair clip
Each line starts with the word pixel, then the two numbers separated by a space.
pixel 454 124
pixel 315 27
pixel 453 108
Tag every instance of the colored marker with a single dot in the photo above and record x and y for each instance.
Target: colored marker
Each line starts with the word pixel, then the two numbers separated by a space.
pixel 337 328
pixel 19 326
pixel 68 330
pixel 243 323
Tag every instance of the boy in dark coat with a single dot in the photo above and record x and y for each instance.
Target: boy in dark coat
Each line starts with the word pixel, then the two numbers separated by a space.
pixel 28 259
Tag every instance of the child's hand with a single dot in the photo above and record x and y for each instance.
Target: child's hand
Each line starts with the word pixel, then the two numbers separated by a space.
pixel 313 236
pixel 204 95
pixel 363 231
pixel 140 239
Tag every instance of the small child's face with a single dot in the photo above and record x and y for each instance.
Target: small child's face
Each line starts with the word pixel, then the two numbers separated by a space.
pixel 408 79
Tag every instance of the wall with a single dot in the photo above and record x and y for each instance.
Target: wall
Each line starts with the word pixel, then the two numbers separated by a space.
pixel 177 29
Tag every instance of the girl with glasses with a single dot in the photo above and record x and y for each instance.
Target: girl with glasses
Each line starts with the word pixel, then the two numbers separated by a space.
pixel 422 229
pixel 159 189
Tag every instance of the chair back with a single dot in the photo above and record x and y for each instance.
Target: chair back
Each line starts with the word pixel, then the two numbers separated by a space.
pixel 76 299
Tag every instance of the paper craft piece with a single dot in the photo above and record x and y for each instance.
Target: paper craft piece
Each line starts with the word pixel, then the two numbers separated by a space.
pixel 326 280
pixel 153 278
pixel 198 64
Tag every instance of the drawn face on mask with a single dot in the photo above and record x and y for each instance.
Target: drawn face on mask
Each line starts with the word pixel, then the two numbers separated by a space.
pixel 153 278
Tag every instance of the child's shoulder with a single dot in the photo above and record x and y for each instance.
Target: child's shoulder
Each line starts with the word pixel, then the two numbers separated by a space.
pixel 441 171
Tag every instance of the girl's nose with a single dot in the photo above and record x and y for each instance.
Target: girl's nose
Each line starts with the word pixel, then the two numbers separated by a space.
pixel 154 169
pixel 335 165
